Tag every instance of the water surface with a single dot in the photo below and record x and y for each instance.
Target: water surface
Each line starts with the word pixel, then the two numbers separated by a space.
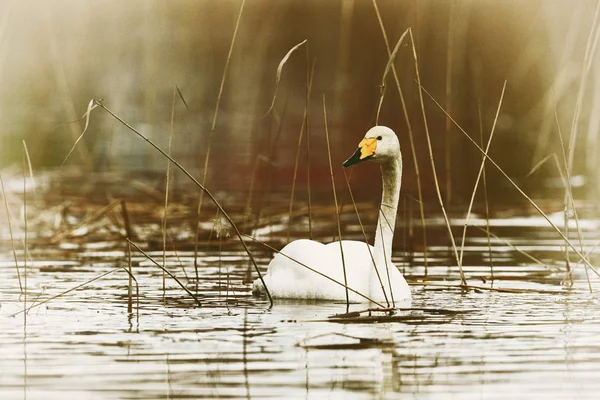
pixel 541 340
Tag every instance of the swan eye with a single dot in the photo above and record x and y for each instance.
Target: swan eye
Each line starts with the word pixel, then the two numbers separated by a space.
pixel 379 138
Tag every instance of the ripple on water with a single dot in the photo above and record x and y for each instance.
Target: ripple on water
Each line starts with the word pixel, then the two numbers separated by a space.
pixel 544 342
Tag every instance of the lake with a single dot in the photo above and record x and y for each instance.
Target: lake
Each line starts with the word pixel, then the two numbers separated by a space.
pixel 526 333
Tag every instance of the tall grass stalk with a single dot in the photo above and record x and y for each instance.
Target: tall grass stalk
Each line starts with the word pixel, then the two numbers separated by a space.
pixel 220 237
pixel 590 51
pixel 485 198
pixel 565 182
pixel 202 187
pixel 302 129
pixel 212 130
pixel 29 167
pixel 25 238
pixel 479 174
pixel 81 285
pixel 279 70
pixel 166 271
pixel 448 138
pixel 126 220
pixel 130 281
pixel 521 192
pixel 386 70
pixel 431 159
pixel 569 194
pixel 27 160
pixel 592 140
pixel 245 332
pixel 382 87
pixel 306 124
pixel 91 105
pixel 10 232
pixel 337 210
pixel 266 188
pixel 167 188
pixel 568 191
pixel 176 253
pixel 410 136
pixel 259 158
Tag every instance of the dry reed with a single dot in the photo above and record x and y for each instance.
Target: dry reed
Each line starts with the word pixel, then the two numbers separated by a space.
pixel 337 210
pixel 431 159
pixel 129 282
pixel 485 198
pixel 278 74
pixel 448 137
pixel 81 285
pixel 202 187
pixel 512 182
pixel 386 70
pixel 10 232
pixel 307 106
pixel 302 129
pixel 568 200
pixel 167 187
pixel 166 271
pixel 213 127
pixel 91 105
pixel 479 173
pixel 25 238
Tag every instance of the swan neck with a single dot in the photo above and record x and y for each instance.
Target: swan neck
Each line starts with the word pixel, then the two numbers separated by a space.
pixel 391 174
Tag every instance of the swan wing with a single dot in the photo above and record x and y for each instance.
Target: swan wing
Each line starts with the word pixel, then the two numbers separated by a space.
pixel 287 278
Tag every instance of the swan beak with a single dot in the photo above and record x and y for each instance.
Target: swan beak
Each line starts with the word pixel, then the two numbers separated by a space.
pixel 366 150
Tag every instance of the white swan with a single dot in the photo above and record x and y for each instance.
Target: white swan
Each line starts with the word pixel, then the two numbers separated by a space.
pixel 286 278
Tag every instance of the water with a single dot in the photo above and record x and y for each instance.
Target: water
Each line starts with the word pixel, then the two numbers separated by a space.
pixel 86 346
pixel 541 340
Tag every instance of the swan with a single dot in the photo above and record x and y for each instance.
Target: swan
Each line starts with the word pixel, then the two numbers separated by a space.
pixel 287 278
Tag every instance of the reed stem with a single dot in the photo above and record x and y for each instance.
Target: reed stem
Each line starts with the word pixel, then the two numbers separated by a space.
pixel 521 192
pixel 26 236
pixel 479 173
pixel 202 187
pixel 212 130
pixel 306 124
pixel 337 210
pixel 431 159
pixel 485 199
pixel 10 232
pixel 167 188
pixel 302 129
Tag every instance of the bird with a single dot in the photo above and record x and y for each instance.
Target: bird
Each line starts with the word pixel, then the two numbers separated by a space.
pixel 370 274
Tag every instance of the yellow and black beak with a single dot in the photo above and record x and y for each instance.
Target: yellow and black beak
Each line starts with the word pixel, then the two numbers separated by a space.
pixel 366 150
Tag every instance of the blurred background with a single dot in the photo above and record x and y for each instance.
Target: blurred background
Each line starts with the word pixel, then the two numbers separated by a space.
pixel 56 55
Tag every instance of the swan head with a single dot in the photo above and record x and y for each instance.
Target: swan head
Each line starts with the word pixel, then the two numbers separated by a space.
pixel 380 144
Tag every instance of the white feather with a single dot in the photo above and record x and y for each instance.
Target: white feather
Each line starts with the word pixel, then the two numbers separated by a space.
pixel 288 277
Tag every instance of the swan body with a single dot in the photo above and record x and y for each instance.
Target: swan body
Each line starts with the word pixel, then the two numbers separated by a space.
pixel 370 273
